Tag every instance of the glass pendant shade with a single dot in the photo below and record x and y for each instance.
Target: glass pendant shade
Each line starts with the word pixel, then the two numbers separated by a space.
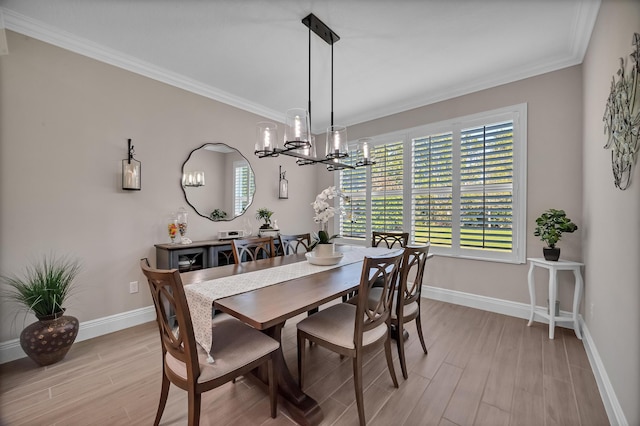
pixel 193 179
pixel 309 151
pixel 131 169
pixel 267 137
pixel 337 143
pixel 297 131
pixel 364 152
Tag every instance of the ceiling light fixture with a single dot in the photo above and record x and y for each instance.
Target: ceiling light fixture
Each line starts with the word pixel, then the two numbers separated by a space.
pixel 298 141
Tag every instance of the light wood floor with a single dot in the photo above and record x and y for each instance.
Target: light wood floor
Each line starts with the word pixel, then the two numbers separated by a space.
pixel 482 369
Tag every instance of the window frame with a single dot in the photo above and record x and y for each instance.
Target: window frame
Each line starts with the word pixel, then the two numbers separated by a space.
pixel 516 113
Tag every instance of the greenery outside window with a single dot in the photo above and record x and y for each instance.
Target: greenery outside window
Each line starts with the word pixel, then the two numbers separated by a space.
pixel 459 184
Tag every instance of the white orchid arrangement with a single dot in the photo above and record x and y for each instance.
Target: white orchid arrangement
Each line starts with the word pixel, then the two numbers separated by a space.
pixel 324 212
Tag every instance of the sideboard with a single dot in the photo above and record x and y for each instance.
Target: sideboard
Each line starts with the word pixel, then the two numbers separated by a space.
pixel 197 255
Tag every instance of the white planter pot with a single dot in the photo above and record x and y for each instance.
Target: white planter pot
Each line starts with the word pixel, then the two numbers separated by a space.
pixel 325 250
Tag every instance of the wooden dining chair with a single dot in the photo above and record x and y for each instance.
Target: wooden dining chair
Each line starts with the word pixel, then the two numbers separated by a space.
pixel 389 239
pixel 406 299
pixel 245 250
pixel 291 244
pixel 237 348
pixel 348 329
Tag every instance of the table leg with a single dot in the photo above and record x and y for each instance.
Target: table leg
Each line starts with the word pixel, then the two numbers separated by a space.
pixel 532 294
pixel 553 287
pixel 577 294
pixel 304 409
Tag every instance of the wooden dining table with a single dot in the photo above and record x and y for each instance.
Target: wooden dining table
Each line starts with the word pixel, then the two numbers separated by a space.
pixel 268 308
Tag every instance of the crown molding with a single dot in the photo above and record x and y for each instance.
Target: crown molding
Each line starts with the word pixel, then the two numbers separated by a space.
pixel 30 27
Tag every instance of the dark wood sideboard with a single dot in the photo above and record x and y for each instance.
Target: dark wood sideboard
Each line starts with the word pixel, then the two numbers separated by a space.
pixel 194 256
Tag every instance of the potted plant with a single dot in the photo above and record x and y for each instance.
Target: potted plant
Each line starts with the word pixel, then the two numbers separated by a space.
pixel 43 290
pixel 266 229
pixel 324 211
pixel 549 227
pixel 218 214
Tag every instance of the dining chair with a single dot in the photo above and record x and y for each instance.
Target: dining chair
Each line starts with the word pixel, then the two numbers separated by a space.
pixel 348 329
pixel 237 348
pixel 389 239
pixel 406 299
pixel 248 249
pixel 291 244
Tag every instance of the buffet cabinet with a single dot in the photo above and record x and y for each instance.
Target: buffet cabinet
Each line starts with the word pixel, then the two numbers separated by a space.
pixel 194 256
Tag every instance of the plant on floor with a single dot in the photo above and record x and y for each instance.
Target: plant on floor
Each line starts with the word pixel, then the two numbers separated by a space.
pixel 43 289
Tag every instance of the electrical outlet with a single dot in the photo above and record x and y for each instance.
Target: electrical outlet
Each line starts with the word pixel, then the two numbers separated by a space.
pixel 133 287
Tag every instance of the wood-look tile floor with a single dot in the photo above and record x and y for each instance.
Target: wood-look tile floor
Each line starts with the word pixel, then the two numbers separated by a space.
pixel 482 369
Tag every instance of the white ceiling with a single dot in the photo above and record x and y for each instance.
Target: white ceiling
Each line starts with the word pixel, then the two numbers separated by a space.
pixel 392 55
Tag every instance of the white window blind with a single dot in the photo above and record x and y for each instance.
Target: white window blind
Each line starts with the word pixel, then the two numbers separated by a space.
pixel 460 185
pixel 243 186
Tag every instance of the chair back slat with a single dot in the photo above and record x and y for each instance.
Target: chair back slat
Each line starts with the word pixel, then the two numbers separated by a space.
pixel 292 244
pixel 245 250
pixel 173 316
pixel 412 268
pixel 389 239
pixel 382 271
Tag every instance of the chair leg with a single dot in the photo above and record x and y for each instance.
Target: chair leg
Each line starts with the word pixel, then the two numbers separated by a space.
pixel 357 381
pixel 273 388
pixel 301 341
pixel 194 408
pixel 400 344
pixel 387 353
pixel 164 393
pixel 419 328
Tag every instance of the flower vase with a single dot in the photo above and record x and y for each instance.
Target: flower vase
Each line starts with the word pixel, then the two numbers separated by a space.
pixel 325 250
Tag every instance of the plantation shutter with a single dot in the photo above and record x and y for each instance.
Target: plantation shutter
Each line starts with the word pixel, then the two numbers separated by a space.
pixel 431 195
pixel 243 187
pixel 486 187
pixel 386 188
pixel 353 184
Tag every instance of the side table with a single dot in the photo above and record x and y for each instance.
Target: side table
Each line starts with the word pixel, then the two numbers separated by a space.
pixel 554 267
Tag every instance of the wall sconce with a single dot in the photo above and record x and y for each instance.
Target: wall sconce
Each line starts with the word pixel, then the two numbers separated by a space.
pixel 131 171
pixel 193 179
pixel 283 186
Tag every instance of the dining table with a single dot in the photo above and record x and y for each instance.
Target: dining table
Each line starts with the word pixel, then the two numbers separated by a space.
pixel 266 293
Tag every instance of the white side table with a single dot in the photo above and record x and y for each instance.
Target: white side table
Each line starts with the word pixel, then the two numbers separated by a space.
pixel 554 267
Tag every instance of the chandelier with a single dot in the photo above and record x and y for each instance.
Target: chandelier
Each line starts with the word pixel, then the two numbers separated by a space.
pixel 298 140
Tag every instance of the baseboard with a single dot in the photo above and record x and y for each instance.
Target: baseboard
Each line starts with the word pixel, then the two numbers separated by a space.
pixel 609 399
pixel 11 350
pixel 523 310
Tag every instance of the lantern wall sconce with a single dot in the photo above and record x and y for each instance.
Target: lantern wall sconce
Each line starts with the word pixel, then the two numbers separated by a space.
pixel 283 186
pixel 193 179
pixel 131 169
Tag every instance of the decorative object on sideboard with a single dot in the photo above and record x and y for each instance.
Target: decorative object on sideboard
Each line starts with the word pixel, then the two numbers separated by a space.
pixel 266 229
pixel 283 185
pixel 172 227
pixel 131 169
pixel 43 290
pixel 622 119
pixel 550 226
pixel 298 141
pixel 182 225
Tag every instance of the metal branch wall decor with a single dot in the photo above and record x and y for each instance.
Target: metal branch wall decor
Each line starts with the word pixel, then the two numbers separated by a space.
pixel 622 119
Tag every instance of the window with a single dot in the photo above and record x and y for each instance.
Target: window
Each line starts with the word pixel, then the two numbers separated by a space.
pixel 243 186
pixel 459 185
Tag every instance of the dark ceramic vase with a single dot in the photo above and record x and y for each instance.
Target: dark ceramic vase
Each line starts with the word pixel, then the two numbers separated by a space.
pixel 552 254
pixel 48 340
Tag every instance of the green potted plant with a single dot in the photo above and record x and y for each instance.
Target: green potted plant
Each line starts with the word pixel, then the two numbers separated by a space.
pixel 43 289
pixel 218 214
pixel 549 227
pixel 265 215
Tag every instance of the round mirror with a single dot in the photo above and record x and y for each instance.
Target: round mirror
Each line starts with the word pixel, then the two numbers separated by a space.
pixel 218 182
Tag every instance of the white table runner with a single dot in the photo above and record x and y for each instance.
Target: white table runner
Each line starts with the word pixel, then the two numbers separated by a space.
pixel 200 296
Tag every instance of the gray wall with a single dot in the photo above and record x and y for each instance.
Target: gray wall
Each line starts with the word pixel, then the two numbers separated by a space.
pixel 611 217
